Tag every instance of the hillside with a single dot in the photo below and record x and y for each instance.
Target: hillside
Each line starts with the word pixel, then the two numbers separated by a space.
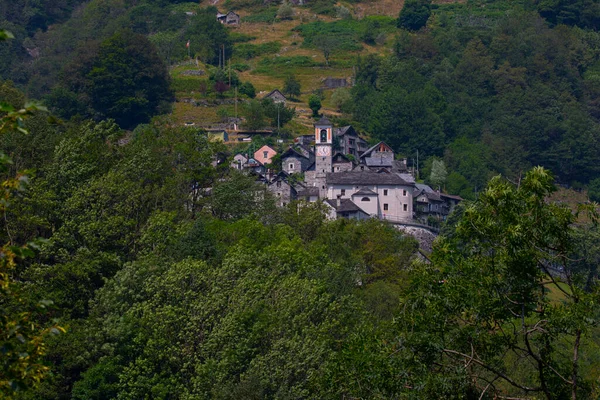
pixel 463 85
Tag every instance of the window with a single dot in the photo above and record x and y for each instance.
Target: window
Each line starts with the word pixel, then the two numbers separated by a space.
pixel 323 135
pixel 278 184
pixel 265 154
pixel 365 199
pixel 278 194
pixel 405 207
pixel 385 207
pixel 351 142
pixel 404 193
pixel 343 192
pixel 291 165
pixel 284 204
pixel 385 192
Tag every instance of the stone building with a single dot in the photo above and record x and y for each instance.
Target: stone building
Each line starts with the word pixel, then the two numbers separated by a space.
pixel 348 142
pixel 230 18
pixel 381 194
pixel 276 96
pixel 296 160
pixel 281 188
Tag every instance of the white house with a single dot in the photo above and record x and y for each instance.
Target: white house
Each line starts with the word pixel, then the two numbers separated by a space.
pixel 383 195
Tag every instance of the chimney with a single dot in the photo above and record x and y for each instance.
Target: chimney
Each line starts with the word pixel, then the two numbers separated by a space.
pixel 338 202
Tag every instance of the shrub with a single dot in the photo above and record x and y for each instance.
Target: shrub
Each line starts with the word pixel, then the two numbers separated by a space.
pixel 285 11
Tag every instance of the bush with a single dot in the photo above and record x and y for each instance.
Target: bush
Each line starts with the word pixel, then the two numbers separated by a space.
pixel 268 15
pixel 594 190
pixel 248 89
pixel 249 50
pixel 240 67
pixel 414 14
pixel 285 11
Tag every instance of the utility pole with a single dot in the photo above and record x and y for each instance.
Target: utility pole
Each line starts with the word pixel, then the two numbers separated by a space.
pixel 236 120
pixel 417 164
pixel 223 55
pixel 229 62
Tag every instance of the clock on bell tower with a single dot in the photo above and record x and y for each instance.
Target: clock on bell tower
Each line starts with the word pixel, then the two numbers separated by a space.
pixel 323 145
pixel 323 150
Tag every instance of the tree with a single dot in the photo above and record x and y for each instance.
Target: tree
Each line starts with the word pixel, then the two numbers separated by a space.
pixel 438 174
pixel 277 112
pixel 342 99
pixel 209 39
pixel 314 102
pixel 291 86
pixel 254 114
pixel 22 336
pixel 123 78
pixel 485 309
pixel 594 190
pixel 414 14
pixel 327 44
pixel 247 88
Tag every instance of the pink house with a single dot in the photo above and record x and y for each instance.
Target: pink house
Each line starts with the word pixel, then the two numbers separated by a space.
pixel 264 154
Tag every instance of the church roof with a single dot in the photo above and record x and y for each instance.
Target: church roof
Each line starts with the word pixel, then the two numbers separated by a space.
pixel 365 192
pixel 323 121
pixel 346 205
pixel 365 178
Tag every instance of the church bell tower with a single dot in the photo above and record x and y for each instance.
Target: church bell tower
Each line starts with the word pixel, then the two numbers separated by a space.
pixel 323 154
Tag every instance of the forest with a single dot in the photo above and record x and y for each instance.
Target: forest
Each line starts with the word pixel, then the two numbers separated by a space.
pixel 136 264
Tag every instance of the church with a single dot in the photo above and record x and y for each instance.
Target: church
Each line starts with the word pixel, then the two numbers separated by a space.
pixel 377 187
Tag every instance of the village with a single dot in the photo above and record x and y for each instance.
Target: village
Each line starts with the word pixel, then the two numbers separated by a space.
pixel 335 166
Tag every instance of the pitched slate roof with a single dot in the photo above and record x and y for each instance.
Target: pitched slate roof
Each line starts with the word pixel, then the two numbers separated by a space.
pixel 346 205
pixel 273 92
pixel 343 130
pixel 339 157
pixel 292 152
pixel 377 162
pixel 370 150
pixel 365 192
pixel 323 121
pixel 309 191
pixel 365 178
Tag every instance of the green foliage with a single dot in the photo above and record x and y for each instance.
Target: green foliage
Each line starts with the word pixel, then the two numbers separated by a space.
pixel 247 88
pixel 268 15
pixel 291 86
pixel 594 190
pixel 254 114
pixel 582 13
pixel 486 295
pixel 323 7
pixel 344 35
pixel 342 99
pixel 285 11
pixel 248 51
pixel 483 101
pixel 314 102
pixel 22 335
pixel 438 174
pixel 414 14
pixel 123 79
pixel 278 113
pixel 240 196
